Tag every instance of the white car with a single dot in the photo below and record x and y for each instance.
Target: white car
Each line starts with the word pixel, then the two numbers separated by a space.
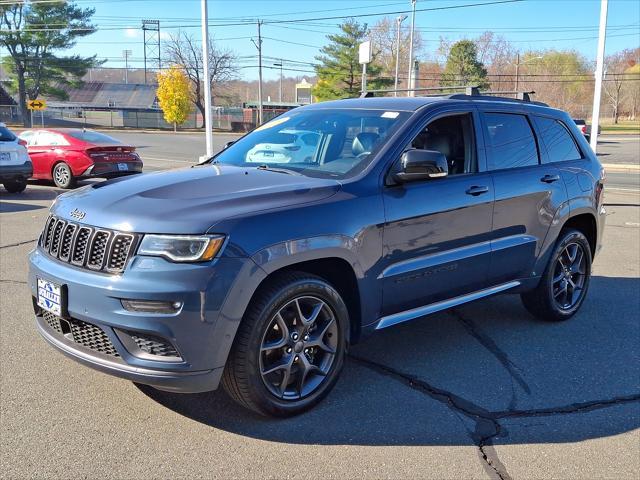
pixel 15 164
pixel 298 146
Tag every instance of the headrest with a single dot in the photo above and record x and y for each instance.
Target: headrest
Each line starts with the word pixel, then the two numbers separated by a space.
pixel 364 143
pixel 440 143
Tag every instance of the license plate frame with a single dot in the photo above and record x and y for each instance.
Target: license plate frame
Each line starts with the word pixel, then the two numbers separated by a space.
pixel 51 297
pixel 123 167
pixel 5 156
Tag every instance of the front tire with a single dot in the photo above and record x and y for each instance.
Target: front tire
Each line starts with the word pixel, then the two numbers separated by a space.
pixel 565 282
pixel 63 176
pixel 290 347
pixel 15 186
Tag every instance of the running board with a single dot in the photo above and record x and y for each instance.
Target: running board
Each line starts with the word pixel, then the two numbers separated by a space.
pixel 443 305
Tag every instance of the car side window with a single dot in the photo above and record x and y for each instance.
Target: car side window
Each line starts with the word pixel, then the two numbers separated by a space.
pixel 561 147
pixel 454 137
pixel 511 143
pixel 50 139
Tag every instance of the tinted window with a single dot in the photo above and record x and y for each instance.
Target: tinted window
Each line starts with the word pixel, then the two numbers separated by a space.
pixel 558 140
pixel 93 137
pixel 6 135
pixel 511 141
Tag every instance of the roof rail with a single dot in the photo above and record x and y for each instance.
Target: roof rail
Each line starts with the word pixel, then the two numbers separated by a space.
pixel 524 96
pixel 468 89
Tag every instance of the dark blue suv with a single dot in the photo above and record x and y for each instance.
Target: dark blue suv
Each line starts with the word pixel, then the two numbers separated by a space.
pixel 260 267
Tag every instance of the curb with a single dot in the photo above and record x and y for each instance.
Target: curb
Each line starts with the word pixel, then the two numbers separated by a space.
pixel 621 167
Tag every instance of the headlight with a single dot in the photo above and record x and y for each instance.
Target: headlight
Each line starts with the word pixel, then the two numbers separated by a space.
pixel 182 248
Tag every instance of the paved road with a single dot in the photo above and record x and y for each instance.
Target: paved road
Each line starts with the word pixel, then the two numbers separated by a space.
pixel 473 392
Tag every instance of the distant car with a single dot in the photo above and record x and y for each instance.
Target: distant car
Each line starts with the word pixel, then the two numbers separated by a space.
pixel 585 128
pixel 64 155
pixel 287 145
pixel 15 165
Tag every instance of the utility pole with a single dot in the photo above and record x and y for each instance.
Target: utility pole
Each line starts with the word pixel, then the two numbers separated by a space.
pixel 517 70
pixel 399 21
pixel 126 54
pixel 207 81
pixel 411 93
pixel 259 47
pixel 595 117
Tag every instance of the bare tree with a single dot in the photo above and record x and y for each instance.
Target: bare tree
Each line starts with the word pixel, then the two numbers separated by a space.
pixel 384 36
pixel 182 50
pixel 615 66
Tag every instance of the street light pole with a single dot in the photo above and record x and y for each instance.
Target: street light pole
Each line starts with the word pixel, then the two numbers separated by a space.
pixel 595 117
pixel 126 54
pixel 280 65
pixel 399 21
pixel 410 93
pixel 207 80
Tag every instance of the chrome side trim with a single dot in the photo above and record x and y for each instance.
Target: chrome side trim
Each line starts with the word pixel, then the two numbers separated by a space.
pixel 511 241
pixel 407 315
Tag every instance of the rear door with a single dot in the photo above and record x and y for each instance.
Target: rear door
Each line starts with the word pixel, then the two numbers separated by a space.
pixel 528 193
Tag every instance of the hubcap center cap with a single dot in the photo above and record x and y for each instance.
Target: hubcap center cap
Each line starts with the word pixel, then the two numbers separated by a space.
pixel 298 347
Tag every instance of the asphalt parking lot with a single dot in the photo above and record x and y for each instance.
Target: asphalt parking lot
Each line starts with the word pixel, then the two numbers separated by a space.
pixel 481 391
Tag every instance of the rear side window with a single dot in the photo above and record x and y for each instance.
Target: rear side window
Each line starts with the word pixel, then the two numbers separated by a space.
pixel 559 142
pixel 511 141
pixel 6 135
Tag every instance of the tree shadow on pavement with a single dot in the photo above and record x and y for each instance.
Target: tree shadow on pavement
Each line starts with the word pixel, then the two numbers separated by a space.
pixel 461 376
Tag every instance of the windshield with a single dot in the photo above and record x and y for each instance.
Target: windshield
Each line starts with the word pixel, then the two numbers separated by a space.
pixel 90 136
pixel 332 143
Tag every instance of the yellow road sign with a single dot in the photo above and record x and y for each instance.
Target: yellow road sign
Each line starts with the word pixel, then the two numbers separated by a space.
pixel 36 104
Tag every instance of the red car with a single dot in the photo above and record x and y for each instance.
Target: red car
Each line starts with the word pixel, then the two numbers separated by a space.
pixel 66 154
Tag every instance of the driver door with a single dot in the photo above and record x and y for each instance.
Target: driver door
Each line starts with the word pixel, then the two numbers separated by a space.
pixel 437 235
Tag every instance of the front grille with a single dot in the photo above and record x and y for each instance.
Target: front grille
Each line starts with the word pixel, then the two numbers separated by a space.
pixel 82 333
pixel 93 248
pixel 153 345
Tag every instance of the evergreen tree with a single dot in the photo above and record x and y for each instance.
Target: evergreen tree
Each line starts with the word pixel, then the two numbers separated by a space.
pixel 32 32
pixel 339 72
pixel 463 66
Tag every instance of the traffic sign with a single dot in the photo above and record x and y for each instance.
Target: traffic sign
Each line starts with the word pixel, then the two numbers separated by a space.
pixel 37 104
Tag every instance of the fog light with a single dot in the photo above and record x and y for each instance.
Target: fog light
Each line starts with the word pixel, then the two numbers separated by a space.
pixel 151 306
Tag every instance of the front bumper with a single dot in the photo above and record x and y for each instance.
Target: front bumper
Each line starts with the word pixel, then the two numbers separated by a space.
pixel 16 172
pixel 94 300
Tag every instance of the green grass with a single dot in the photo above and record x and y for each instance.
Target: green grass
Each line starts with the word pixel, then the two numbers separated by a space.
pixel 622 127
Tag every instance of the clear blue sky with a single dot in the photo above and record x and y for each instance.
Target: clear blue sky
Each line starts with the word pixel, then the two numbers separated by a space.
pixel 530 24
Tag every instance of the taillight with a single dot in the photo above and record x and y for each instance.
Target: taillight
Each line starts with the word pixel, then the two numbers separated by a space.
pixel 584 129
pixel 22 142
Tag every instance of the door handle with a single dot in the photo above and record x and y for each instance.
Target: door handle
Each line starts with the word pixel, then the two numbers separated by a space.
pixel 477 190
pixel 550 178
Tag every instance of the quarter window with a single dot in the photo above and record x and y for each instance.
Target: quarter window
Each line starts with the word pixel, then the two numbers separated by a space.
pixel 560 144
pixel 511 141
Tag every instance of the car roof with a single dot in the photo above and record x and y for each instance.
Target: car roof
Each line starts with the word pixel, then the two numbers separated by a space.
pixel 411 104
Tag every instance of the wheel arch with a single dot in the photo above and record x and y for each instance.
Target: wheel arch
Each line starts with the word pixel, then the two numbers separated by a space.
pixel 584 222
pixel 340 274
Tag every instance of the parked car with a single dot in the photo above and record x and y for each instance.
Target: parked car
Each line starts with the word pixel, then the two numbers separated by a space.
pixel 259 277
pixel 15 165
pixel 66 155
pixel 585 128
pixel 288 145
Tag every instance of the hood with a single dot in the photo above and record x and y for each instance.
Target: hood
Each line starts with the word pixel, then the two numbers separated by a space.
pixel 189 200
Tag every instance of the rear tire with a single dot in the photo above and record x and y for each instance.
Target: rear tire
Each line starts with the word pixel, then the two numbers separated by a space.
pixel 15 186
pixel 63 176
pixel 290 346
pixel 565 282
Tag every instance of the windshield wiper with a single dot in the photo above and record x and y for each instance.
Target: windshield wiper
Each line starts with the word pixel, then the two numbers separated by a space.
pixel 278 170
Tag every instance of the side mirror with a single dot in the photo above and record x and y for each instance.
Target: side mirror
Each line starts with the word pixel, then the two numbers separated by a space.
pixel 421 165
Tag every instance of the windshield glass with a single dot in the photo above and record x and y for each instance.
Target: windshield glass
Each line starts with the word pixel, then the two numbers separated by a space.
pixel 318 142
pixel 90 136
